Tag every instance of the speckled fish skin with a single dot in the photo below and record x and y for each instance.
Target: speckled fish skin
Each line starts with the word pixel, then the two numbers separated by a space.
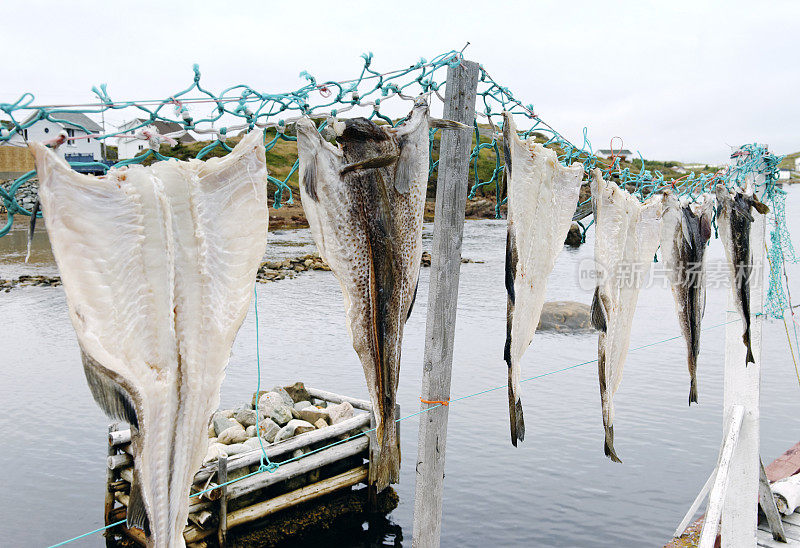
pixel 626 239
pixel 685 231
pixel 365 202
pixel 158 265
pixel 735 217
pixel 542 195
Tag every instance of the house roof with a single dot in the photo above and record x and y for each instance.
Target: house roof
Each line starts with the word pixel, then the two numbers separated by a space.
pixel 609 151
pixel 162 128
pixel 71 119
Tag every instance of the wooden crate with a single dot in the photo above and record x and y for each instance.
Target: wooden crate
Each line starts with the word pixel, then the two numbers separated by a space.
pixel 212 514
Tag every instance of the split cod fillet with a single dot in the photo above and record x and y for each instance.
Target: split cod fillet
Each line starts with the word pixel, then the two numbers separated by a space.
pixel 542 195
pixel 158 265
pixel 364 201
pixel 626 239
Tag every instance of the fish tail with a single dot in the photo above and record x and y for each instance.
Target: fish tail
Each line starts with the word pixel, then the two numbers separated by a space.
pixel 386 469
pixel 515 412
pixel 692 377
pixel 746 338
pixel 608 447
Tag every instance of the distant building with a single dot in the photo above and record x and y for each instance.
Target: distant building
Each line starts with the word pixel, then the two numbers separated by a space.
pixel 129 147
pixel 797 164
pixel 784 174
pixel 606 153
pixel 75 124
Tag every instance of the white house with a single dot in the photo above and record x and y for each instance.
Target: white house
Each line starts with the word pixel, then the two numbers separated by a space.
pixel 606 153
pixel 784 174
pixel 797 164
pixel 75 124
pixel 129 147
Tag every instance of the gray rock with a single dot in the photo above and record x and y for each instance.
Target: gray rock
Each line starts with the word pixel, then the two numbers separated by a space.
pixel 321 423
pixel 574 236
pixel 293 428
pixel 236 448
pixel 275 408
pixel 302 405
pixel 268 430
pixel 220 423
pixel 256 396
pixel 565 317
pixel 228 413
pixel 313 414
pixel 298 392
pixel 287 399
pixel 233 435
pixel 247 417
pixel 319 403
pixel 253 443
pixel 250 430
pixel 340 412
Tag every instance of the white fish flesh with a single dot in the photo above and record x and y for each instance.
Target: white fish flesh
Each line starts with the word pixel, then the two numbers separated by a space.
pixel 158 265
pixel 685 231
pixel 364 201
pixel 542 195
pixel 626 239
pixel 734 219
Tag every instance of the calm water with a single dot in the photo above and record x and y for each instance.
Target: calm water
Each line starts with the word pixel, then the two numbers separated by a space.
pixel 556 489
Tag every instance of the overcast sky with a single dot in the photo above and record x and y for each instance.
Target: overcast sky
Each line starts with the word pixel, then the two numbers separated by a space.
pixel 681 82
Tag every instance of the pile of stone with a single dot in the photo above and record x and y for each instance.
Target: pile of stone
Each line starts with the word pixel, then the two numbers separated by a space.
pixel 271 271
pixel 425 260
pixel 28 280
pixel 26 194
pixel 283 412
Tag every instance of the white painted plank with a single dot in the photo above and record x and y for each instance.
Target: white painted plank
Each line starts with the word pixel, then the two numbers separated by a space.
pixel 767 502
pixel 792 518
pixel 715 499
pixel 695 505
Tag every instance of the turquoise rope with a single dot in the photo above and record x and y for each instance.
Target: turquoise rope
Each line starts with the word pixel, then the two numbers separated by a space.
pixel 365 432
pixel 270 466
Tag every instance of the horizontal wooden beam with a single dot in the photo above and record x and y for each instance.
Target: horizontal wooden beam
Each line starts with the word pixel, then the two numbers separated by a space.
pixel 287 446
pixel 364 405
pixel 298 467
pixel 298 496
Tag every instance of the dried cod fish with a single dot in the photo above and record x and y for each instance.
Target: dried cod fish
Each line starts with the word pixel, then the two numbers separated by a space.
pixel 685 231
pixel 626 238
pixel 158 265
pixel 734 219
pixel 364 202
pixel 542 195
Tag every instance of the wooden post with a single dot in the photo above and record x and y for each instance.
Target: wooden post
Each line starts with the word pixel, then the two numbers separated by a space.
pixel 448 229
pixel 222 478
pixel 767 502
pixel 742 386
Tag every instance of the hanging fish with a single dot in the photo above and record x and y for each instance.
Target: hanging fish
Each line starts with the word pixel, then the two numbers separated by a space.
pixel 734 219
pixel 626 238
pixel 542 195
pixel 158 265
pixel 685 231
pixel 364 201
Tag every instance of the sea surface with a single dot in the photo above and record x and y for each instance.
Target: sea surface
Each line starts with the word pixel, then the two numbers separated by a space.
pixel 555 489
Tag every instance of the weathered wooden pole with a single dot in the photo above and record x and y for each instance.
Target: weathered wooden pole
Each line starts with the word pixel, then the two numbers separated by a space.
pixel 742 386
pixel 222 477
pixel 448 229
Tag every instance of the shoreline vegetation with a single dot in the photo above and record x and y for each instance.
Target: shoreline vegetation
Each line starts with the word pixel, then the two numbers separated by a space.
pixel 281 158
